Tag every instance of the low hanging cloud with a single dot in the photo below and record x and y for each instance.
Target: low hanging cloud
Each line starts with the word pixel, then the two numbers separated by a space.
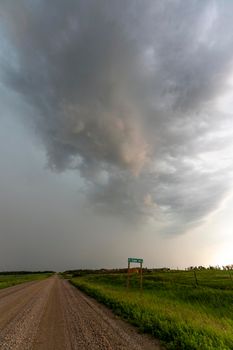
pixel 134 95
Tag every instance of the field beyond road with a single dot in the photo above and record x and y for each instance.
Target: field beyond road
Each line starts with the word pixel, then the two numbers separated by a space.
pixel 52 314
pixel 184 309
pixel 12 279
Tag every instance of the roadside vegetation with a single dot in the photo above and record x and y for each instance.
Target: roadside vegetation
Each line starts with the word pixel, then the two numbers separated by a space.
pixel 8 279
pixel 184 309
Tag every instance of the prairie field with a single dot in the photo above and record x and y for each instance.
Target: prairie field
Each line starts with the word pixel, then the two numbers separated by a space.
pixel 184 309
pixel 11 279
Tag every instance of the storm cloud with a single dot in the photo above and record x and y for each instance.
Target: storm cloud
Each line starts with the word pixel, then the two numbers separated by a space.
pixel 134 95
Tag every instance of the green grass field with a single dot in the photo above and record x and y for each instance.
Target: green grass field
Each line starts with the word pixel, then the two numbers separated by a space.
pixel 8 280
pixel 172 307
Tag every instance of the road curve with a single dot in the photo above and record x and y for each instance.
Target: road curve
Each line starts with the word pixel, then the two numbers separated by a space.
pixel 53 315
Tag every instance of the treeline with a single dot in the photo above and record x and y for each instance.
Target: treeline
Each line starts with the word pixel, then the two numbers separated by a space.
pixel 217 267
pixel 83 272
pixel 24 272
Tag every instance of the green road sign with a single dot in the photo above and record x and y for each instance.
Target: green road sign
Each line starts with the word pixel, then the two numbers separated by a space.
pixel 135 260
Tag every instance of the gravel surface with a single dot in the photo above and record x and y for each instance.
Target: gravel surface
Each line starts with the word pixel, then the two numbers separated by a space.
pixel 53 315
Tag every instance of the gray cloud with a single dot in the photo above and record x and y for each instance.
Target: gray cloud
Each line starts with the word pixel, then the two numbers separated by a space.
pixel 127 93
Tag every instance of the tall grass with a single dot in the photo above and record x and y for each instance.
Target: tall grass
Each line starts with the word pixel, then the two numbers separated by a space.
pixel 11 280
pixel 171 307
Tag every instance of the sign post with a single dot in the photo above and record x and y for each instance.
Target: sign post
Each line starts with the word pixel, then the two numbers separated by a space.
pixel 137 261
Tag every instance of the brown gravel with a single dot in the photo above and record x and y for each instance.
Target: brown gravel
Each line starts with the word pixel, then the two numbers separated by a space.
pixel 53 315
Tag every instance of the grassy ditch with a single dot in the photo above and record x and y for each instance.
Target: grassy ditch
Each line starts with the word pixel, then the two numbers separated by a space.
pixel 172 307
pixel 8 280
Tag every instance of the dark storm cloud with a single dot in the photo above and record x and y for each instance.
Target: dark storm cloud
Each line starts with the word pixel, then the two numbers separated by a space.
pixel 126 92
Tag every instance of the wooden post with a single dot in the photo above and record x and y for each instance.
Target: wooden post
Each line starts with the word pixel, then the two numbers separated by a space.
pixel 229 273
pixel 128 273
pixel 195 275
pixel 141 276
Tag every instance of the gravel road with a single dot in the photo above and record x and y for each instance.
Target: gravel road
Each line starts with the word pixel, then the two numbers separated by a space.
pixel 53 315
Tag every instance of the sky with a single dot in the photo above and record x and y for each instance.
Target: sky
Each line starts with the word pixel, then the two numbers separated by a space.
pixel 116 133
